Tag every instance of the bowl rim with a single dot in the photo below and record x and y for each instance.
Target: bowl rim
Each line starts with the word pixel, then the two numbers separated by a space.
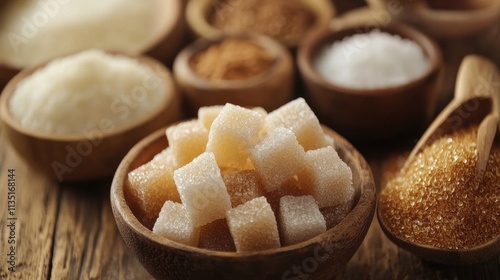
pixel 182 68
pixel 364 207
pixel 198 11
pixel 308 50
pixel 155 66
pixel 175 8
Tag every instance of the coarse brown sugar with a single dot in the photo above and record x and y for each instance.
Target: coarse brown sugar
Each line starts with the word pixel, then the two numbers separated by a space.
pixel 232 59
pixel 435 201
pixel 280 19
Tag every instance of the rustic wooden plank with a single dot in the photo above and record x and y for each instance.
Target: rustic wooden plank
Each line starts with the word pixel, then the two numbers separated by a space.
pixel 35 212
pixel 87 242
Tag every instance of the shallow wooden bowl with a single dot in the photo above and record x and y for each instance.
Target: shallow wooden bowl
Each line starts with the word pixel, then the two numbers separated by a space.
pixel 78 157
pixel 318 258
pixel 198 13
pixel 269 90
pixel 169 36
pixel 372 114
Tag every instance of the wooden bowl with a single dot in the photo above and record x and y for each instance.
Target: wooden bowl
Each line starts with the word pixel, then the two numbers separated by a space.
pixel 198 13
pixel 169 36
pixel 78 157
pixel 269 90
pixel 372 114
pixel 320 257
pixel 445 19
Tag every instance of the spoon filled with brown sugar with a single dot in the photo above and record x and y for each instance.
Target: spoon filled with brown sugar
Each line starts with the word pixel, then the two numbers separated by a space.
pixel 444 205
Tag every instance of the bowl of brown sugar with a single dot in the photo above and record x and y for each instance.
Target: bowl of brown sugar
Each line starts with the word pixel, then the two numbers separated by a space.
pixel 287 21
pixel 246 70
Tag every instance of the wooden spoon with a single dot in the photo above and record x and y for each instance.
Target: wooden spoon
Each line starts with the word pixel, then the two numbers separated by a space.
pixel 475 87
pixel 485 136
pixel 476 84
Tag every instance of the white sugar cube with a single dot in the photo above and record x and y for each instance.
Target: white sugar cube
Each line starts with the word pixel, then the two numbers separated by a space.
pixel 207 115
pixel 300 219
pixel 277 158
pixel 202 190
pixel 174 224
pixel 253 226
pixel 327 177
pixel 298 116
pixel 233 132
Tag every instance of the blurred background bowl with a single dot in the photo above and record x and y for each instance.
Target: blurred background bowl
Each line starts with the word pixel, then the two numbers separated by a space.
pixel 198 13
pixel 372 114
pixel 81 157
pixel 269 90
pixel 443 18
pixel 328 252
pixel 168 37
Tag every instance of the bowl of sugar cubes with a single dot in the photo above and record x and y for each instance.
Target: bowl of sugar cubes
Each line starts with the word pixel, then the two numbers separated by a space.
pixel 370 82
pixel 242 193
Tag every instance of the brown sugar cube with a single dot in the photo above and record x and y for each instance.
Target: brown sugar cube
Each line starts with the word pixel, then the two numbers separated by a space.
pixel 150 185
pixel 243 185
pixel 216 236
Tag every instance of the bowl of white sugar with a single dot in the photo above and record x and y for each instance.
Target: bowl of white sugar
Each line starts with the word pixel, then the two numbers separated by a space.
pixel 372 82
pixel 37 31
pixel 75 117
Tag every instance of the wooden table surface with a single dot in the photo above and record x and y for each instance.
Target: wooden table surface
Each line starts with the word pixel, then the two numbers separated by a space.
pixel 67 231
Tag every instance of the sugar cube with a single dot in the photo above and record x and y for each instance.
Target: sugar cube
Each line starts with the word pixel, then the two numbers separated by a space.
pixel 188 140
pixel 173 223
pixel 253 226
pixel 327 177
pixel 298 116
pixel 150 185
pixel 290 187
pixel 300 219
pixel 243 185
pixel 207 115
pixel 216 236
pixel 232 133
pixel 202 189
pixel 278 157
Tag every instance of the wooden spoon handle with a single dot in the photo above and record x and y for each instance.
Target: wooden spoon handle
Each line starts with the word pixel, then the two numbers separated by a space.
pixel 477 76
pixel 485 136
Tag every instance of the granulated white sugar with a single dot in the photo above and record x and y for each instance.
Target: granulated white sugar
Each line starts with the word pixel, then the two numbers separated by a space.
pixel 371 60
pixel 33 31
pixel 86 91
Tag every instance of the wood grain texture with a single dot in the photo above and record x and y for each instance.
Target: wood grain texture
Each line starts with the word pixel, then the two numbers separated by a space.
pixel 87 243
pixel 36 208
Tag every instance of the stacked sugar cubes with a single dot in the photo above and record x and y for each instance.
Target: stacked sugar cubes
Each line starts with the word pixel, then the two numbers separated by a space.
pixel 238 179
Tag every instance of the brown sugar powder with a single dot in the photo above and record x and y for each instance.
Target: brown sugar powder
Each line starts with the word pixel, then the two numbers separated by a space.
pixel 280 19
pixel 434 201
pixel 233 59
